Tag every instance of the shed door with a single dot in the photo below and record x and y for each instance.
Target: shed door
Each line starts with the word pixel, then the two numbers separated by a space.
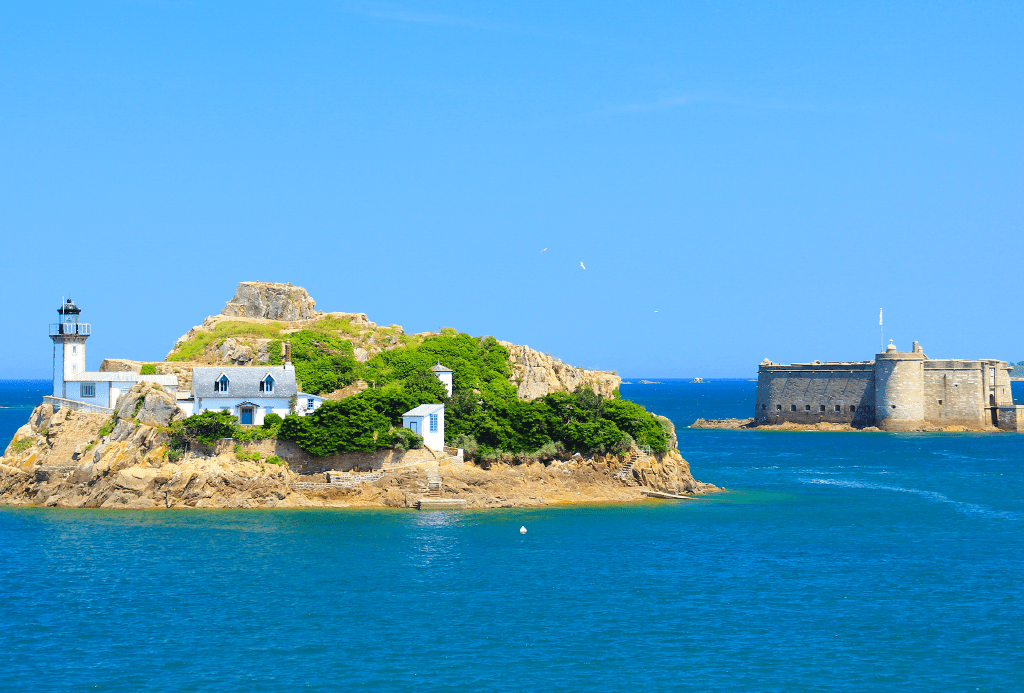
pixel 414 426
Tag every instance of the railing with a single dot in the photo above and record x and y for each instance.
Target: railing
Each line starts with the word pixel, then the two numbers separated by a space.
pixel 70 328
pixel 58 402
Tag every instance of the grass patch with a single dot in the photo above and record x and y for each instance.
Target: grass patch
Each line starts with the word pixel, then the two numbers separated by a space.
pixel 20 446
pixel 194 349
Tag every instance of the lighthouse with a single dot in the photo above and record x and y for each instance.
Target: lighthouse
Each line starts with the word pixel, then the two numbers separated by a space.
pixel 68 335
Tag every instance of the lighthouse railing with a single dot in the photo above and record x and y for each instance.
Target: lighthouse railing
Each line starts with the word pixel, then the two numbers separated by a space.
pixel 70 328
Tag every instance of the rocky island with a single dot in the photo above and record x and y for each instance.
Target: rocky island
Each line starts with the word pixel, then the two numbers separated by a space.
pixel 306 408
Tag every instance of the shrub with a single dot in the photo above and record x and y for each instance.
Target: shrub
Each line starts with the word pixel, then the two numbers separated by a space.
pixel 407 439
pixel 467 443
pixel 108 426
pixel 272 420
pixel 173 455
pixel 206 428
pixel 148 369
pixel 274 459
pixel 22 445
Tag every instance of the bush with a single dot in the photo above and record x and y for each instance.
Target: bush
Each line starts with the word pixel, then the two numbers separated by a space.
pixel 174 455
pixel 467 443
pixel 274 459
pixel 206 428
pixel 272 420
pixel 148 369
pixel 108 426
pixel 407 439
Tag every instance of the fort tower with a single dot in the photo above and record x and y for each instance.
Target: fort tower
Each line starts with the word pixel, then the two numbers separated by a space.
pixel 899 389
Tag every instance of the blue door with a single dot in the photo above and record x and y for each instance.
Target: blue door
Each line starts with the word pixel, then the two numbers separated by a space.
pixel 247 415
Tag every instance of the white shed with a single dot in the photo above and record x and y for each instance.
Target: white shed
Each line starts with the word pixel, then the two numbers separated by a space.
pixel 428 421
pixel 444 374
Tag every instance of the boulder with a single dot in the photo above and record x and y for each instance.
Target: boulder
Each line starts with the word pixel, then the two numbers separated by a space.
pixel 159 409
pixel 271 301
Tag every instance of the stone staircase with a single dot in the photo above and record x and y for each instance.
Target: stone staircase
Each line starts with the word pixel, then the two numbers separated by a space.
pixel 627 474
pixel 433 482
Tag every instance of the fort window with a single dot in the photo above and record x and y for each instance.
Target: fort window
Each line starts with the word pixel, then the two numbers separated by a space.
pixel 763 407
pixel 778 407
pixel 839 407
pixel 822 407
pixel 807 407
pixel 853 407
pixel 792 407
pixel 893 406
pixel 940 401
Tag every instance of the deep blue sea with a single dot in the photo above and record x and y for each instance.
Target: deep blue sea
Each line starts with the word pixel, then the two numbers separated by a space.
pixel 836 562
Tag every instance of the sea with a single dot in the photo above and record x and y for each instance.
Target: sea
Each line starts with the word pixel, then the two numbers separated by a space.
pixel 833 562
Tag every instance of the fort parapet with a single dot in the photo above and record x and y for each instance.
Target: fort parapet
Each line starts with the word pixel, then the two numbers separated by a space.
pixel 898 391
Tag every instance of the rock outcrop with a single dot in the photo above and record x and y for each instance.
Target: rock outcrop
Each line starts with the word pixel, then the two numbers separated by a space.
pixel 270 301
pixel 538 374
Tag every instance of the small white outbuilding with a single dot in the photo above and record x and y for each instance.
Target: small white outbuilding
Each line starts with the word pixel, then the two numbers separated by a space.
pixel 428 421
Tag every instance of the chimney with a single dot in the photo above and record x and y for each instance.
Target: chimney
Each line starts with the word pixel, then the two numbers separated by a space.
pixel 286 350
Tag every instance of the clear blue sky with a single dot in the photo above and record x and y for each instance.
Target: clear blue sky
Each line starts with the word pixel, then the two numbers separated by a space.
pixel 765 176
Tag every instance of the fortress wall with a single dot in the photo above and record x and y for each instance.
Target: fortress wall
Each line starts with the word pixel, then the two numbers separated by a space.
pixel 809 394
pixel 959 385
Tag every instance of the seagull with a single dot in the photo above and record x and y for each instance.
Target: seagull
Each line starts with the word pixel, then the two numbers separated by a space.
pixel 655 311
pixel 543 250
pixel 583 266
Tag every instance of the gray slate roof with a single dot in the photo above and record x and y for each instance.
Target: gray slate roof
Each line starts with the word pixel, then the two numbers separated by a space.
pixel 245 381
pixel 441 369
pixel 424 409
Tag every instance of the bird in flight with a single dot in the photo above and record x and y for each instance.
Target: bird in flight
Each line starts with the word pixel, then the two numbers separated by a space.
pixel 543 250
pixel 583 266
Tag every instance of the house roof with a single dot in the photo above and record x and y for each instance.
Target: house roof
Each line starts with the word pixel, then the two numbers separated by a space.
pixel 122 377
pixel 104 377
pixel 244 381
pixel 424 409
pixel 441 369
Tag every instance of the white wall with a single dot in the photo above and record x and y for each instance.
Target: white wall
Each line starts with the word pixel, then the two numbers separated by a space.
pixel 434 441
pixel 264 405
pixel 73 391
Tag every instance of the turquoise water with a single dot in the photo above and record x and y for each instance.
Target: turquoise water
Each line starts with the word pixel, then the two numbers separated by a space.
pixel 837 562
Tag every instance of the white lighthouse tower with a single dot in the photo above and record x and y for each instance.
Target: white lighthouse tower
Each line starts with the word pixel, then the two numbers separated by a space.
pixel 68 337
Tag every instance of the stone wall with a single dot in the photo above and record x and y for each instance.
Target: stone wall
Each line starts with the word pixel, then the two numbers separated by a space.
pixel 900 391
pixel 812 393
pixel 302 462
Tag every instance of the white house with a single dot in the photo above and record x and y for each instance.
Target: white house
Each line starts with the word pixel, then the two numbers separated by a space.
pixel 428 421
pixel 72 383
pixel 444 374
pixel 249 392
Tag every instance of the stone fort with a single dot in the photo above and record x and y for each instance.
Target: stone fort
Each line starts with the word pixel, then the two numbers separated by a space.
pixel 898 391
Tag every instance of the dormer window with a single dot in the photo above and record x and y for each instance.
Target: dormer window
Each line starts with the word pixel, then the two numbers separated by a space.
pixel 267 384
pixel 221 384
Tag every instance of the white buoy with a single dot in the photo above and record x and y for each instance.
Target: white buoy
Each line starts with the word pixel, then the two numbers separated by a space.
pixel 522 530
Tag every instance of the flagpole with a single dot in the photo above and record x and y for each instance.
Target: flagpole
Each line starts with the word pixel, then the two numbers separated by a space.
pixel 881 333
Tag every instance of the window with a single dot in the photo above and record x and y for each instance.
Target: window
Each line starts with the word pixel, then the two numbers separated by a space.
pixel 433 423
pixel 792 407
pixel 88 389
pixel 853 407
pixel 74 349
pixel 940 402
pixel 267 384
pixel 309 403
pixel 778 407
pixel 893 406
pixel 74 367
pixel 221 384
pixel 807 407
pixel 839 407
pixel 822 408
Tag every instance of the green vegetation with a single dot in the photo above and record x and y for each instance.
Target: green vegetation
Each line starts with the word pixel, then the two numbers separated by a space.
pixel 194 348
pixel 206 428
pixel 274 459
pixel 148 369
pixel 108 426
pixel 173 455
pixel 272 420
pixel 484 411
pixel 19 446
